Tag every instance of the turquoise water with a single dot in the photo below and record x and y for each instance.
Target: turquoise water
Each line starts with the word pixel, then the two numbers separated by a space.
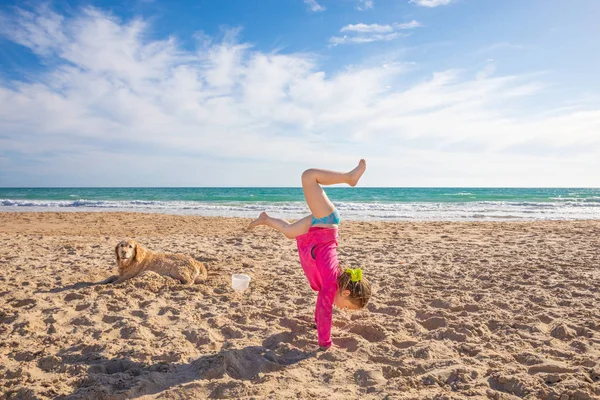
pixel 443 195
pixel 353 203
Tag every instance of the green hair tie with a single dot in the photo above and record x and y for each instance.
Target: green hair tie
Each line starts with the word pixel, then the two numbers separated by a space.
pixel 355 274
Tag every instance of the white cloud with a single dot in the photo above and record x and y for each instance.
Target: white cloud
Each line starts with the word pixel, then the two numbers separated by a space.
pixel 314 6
pixel 364 28
pixel 367 33
pixel 364 5
pixel 431 3
pixel 409 25
pixel 112 103
pixel 376 28
pixel 335 40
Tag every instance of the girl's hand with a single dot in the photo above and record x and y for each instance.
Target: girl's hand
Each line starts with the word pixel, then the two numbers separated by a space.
pixel 315 348
pixel 332 347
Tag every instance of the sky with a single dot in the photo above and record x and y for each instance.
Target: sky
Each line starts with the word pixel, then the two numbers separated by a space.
pixel 463 93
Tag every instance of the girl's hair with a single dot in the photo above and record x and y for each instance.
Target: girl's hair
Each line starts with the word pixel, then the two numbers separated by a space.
pixel 360 292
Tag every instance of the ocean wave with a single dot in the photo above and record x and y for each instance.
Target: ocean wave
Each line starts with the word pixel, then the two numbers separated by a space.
pixel 481 210
pixel 592 199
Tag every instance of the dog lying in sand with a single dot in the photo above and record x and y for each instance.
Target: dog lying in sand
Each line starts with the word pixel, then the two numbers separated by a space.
pixel 134 260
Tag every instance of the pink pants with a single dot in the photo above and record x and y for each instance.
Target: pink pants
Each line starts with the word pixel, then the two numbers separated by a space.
pixel 317 250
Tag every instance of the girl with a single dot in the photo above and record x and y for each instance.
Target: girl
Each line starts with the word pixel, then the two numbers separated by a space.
pixel 316 237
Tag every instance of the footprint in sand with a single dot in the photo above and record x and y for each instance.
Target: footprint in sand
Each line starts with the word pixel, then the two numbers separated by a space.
pixel 203 337
pixel 366 378
pixel 114 367
pixel 170 310
pixel 579 346
pixel 234 241
pixel 275 340
pixel 372 333
pixel 351 344
pixel 84 321
pixel 526 358
pixel 81 307
pixel 6 318
pixel 139 314
pixel 390 372
pixel 24 356
pixel 448 333
pixel 393 311
pixel 232 332
pixel 115 307
pixel 433 323
pixel 563 332
pixel 50 363
pixel 135 332
pixel 294 325
pixel 441 303
pixel 594 374
pixel 24 303
pixel 111 319
pixel 404 344
pixel 198 337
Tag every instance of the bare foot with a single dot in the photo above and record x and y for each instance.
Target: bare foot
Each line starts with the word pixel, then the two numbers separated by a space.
pixel 258 221
pixel 356 173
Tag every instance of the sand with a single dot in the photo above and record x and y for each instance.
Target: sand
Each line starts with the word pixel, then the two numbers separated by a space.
pixel 482 309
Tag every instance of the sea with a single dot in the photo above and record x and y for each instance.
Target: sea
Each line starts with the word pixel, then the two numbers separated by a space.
pixel 358 203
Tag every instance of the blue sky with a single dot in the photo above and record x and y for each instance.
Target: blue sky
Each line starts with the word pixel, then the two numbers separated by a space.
pixel 252 92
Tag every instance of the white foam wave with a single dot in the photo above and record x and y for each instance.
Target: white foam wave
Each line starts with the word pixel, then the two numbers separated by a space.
pixel 483 210
pixel 591 199
pixel 458 194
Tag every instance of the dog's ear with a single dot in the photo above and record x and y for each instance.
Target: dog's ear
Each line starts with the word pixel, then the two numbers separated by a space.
pixel 140 253
pixel 117 251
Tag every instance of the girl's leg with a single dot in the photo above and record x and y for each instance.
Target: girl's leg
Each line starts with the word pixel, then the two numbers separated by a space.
pixel 290 230
pixel 312 179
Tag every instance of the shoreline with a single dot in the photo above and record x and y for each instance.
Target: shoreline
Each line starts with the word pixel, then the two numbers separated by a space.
pixel 294 215
pixel 49 221
pixel 470 308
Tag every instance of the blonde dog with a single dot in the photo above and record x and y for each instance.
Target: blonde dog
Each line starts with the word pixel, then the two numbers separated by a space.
pixel 133 260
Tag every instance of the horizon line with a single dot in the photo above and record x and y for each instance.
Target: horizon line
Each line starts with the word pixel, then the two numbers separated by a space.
pixel 298 187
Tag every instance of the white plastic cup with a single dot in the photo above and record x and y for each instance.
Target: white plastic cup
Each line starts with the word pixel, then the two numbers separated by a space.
pixel 240 282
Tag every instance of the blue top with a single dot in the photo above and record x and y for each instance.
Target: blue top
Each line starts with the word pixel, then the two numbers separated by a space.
pixel 331 219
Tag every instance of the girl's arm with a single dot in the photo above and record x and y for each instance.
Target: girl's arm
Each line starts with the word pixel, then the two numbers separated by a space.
pixel 327 263
pixel 323 314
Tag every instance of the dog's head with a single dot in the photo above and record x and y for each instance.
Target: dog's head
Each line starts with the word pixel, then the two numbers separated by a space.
pixel 128 251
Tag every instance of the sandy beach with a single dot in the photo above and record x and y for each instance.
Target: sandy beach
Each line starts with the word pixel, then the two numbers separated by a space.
pixel 498 310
